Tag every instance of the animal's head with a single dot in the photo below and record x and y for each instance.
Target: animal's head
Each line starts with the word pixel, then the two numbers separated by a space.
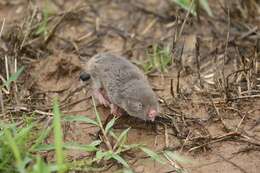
pixel 143 104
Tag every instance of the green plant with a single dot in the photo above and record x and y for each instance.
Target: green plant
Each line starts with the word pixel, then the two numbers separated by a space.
pixel 58 136
pixel 42 29
pixel 113 152
pixel 189 5
pixel 12 78
pixel 158 59
pixel 24 145
pixel 13 145
pixel 21 147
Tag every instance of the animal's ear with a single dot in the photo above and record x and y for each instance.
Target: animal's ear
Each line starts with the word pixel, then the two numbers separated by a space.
pixel 84 76
pixel 138 106
pixel 135 105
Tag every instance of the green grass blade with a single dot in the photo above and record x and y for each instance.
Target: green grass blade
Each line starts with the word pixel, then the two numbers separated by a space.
pixel 176 156
pixel 186 4
pixel 123 135
pixel 70 146
pixel 121 140
pixel 12 144
pixel 111 133
pixel 81 147
pixel 127 171
pixel 41 138
pixel 119 159
pixel 96 112
pixel 13 77
pixel 110 124
pixel 205 6
pixel 44 147
pixel 43 27
pixel 152 154
pixel 96 143
pixel 99 155
pixel 23 133
pixel 40 166
pixel 22 167
pixel 58 136
pixel 80 119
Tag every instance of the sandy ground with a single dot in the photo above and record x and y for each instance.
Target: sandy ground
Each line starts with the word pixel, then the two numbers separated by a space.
pixel 224 139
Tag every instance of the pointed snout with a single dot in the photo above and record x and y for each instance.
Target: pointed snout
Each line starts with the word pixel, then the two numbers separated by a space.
pixel 152 114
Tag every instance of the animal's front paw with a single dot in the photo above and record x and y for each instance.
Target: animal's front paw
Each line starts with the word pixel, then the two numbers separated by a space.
pixel 115 110
pixel 102 100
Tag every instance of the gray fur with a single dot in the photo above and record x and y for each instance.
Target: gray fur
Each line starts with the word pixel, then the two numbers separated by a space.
pixel 126 85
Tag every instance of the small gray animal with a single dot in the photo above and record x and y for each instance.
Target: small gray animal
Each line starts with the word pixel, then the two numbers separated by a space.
pixel 118 83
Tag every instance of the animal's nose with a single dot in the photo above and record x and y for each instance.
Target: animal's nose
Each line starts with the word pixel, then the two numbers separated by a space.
pixel 84 76
pixel 152 114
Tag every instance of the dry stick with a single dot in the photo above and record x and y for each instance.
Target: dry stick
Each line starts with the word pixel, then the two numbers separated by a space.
pixel 218 114
pixel 73 103
pixel 27 32
pixel 197 8
pixel 224 59
pixel 147 11
pixel 1 93
pixel 185 141
pixel 240 122
pixel 172 92
pixel 166 136
pixel 250 141
pixel 177 37
pixel 25 109
pixel 148 27
pixel 2 28
pixel 22 108
pixel 179 73
pixel 197 55
pixel 6 68
pixel 14 83
pixel 247 149
pixel 232 163
pixel 186 17
pixel 74 91
pixel 66 105
pixel 101 126
pixel 2 101
pixel 181 114
pixel 217 139
pixel 46 41
pixel 174 41
pixel 85 36
pixel 244 97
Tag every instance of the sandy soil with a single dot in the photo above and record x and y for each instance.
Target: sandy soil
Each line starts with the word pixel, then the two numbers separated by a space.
pixel 217 136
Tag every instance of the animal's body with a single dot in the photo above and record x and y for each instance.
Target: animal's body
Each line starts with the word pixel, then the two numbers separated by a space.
pixel 118 83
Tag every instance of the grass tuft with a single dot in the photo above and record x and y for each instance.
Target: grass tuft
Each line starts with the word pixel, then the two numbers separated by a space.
pixel 158 59
pixel 189 5
pixel 58 137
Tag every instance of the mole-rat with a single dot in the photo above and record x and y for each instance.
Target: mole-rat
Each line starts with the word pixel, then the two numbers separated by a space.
pixel 121 85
